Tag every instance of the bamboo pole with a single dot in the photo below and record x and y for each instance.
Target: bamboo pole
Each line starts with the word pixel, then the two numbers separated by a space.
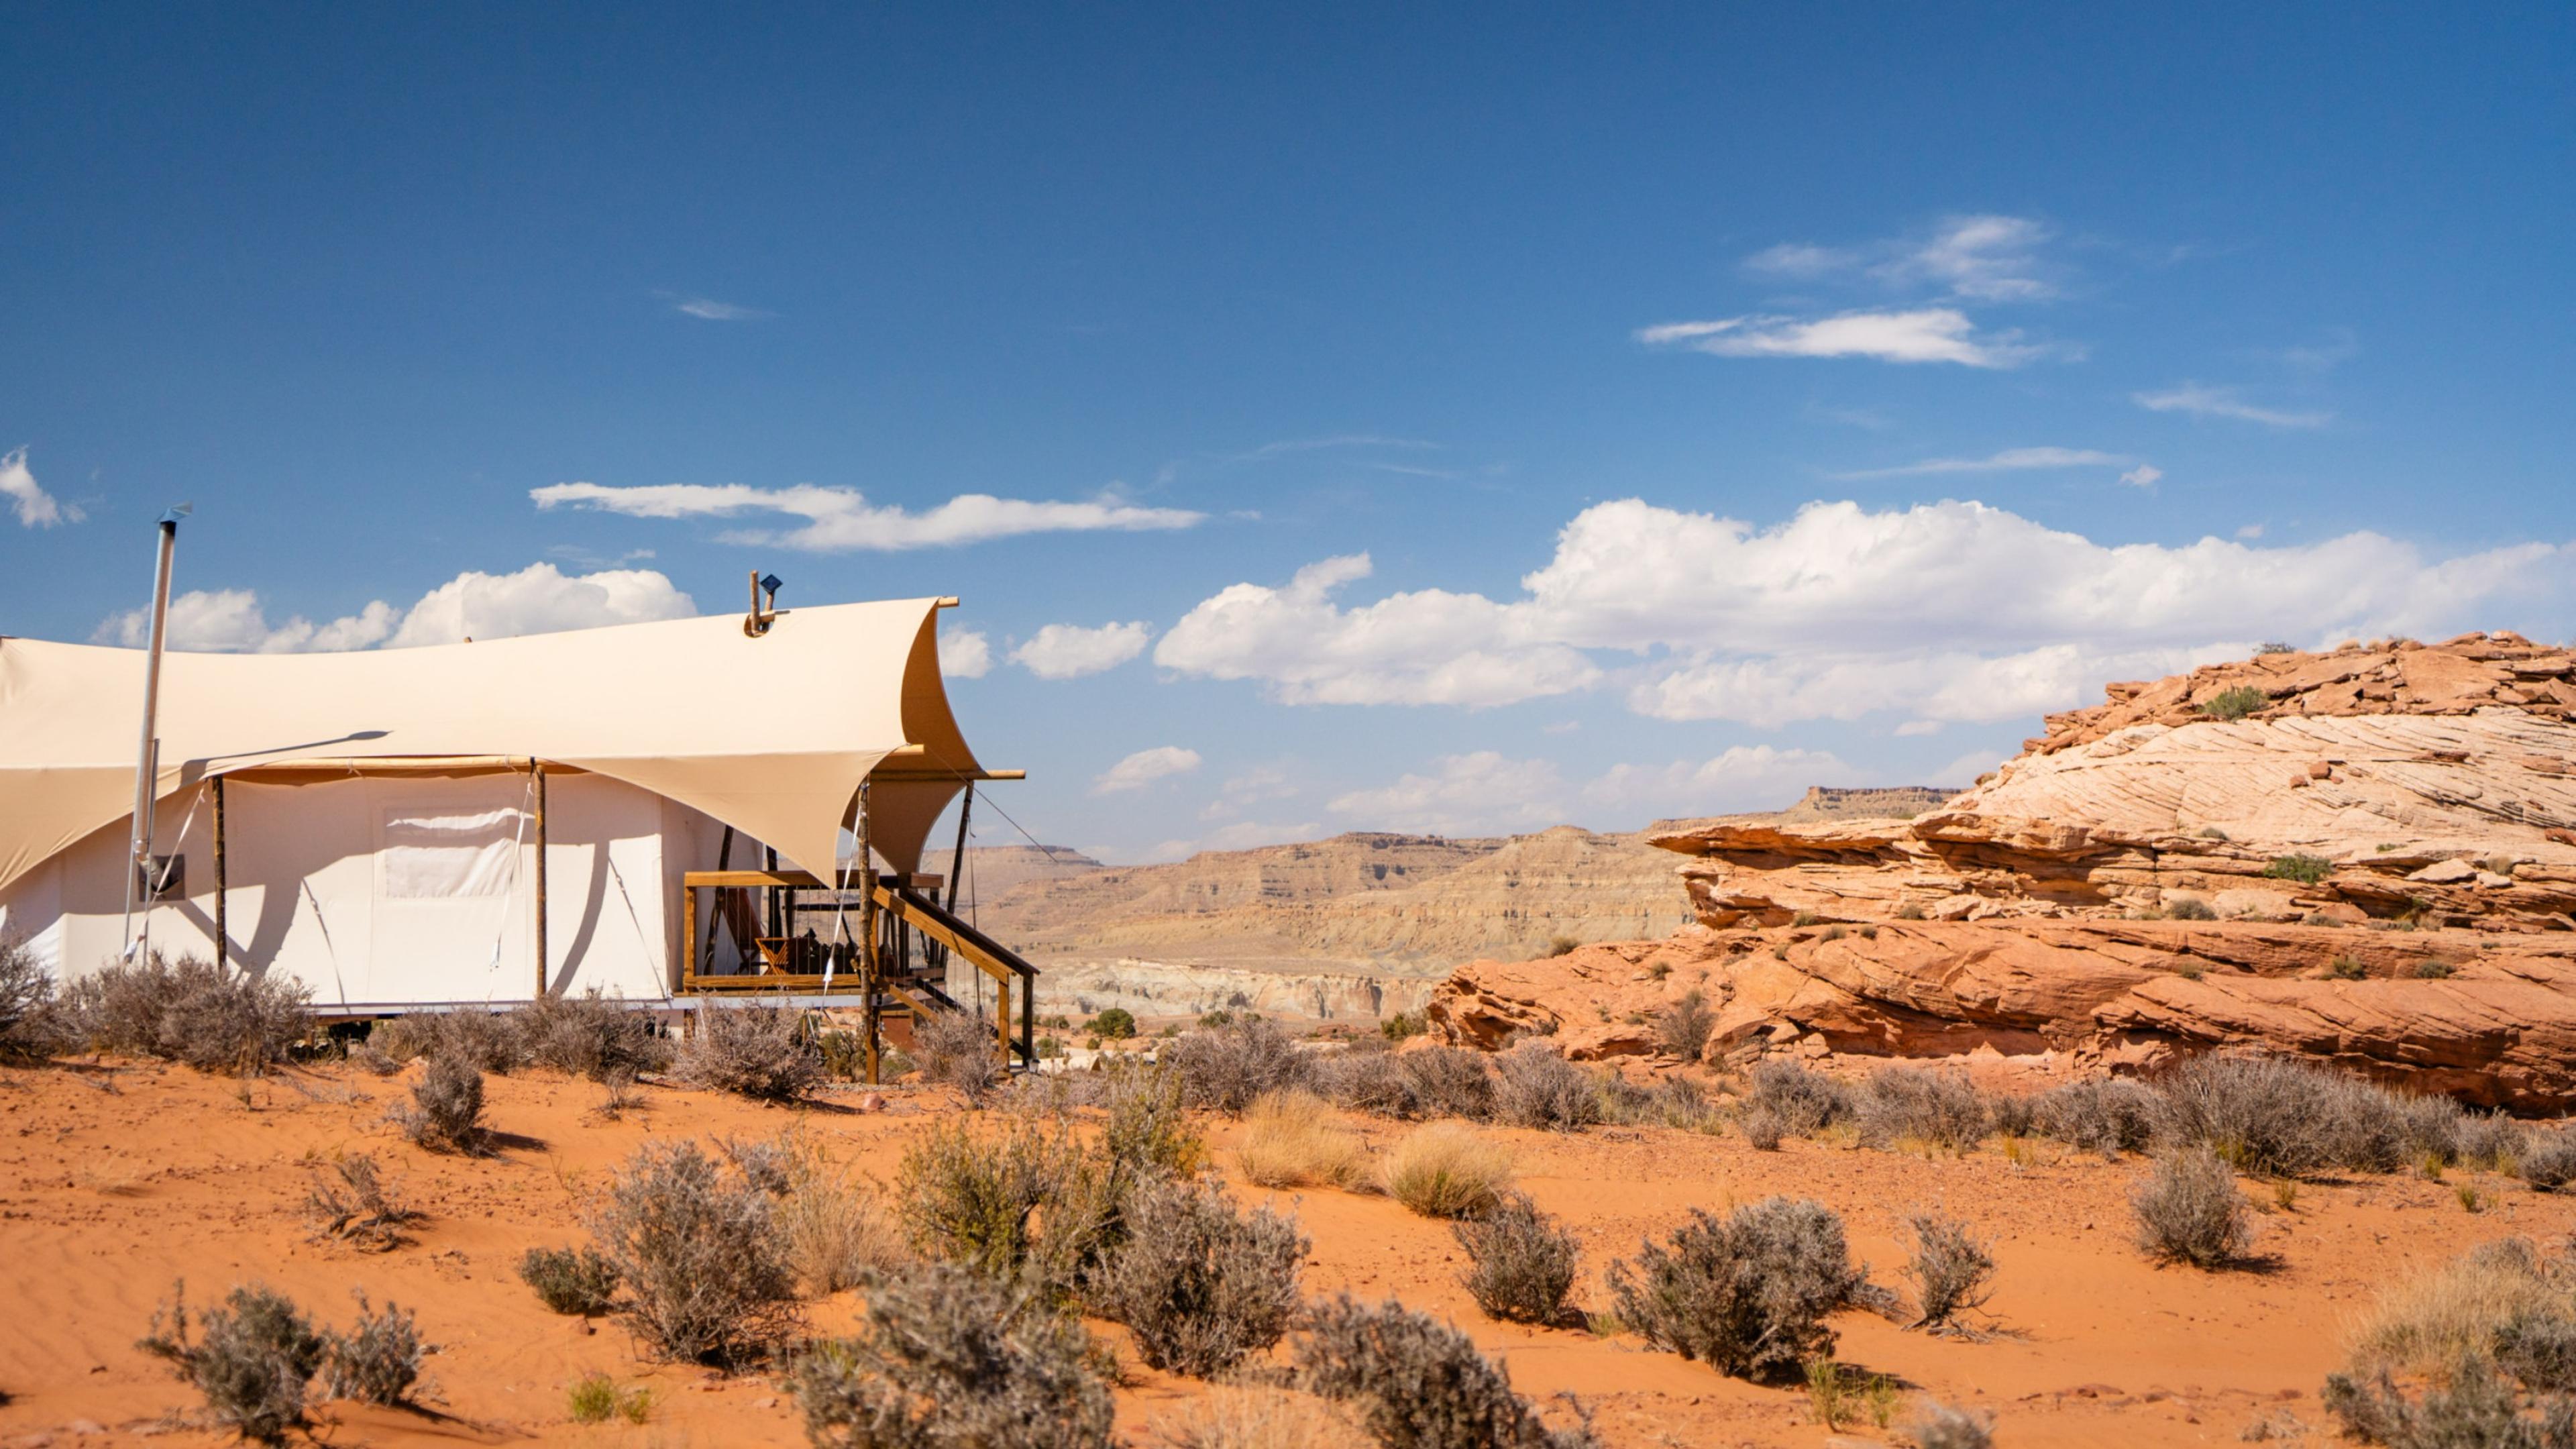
pixel 537 768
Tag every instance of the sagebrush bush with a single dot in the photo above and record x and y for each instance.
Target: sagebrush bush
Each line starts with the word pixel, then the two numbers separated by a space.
pixel 251 1359
pixel 446 1114
pixel 1746 1294
pixel 1446 1170
pixel 948 1358
pixel 2280 1117
pixel 973 1196
pixel 1148 1129
pixel 1952 1268
pixel 2491 1140
pixel 1521 1262
pixel 30 1026
pixel 1229 1067
pixel 1199 1284
pixel 571 1280
pixel 592 1036
pixel 1939 1426
pixel 959 1049
pixel 377 1361
pixel 1365 1076
pixel 1418 1383
pixel 1682 1029
pixel 832 1227
pixel 1293 1139
pixel 189 1011
pixel 1535 1086
pixel 350 1201
pixel 699 1255
pixel 2189 1211
pixel 1803 1102
pixel 756 1049
pixel 2189 908
pixel 1449 1082
pixel 2428 1320
pixel 1901 1105
pixel 492 1041
pixel 1762 1127
pixel 2548 1161
pixel 2109 1116
pixel 2476 1409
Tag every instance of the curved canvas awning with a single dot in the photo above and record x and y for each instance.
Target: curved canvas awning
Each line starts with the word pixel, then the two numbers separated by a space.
pixel 771 735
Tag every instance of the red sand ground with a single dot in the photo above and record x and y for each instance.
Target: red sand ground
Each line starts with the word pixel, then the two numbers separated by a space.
pixel 115 1181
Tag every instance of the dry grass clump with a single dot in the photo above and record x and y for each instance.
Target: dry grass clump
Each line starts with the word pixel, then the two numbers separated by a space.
pixel 1229 1067
pixel 958 1049
pixel 189 1011
pixel 1748 1293
pixel 595 1398
pixel 1952 1268
pixel 592 1036
pixel 756 1050
pixel 1682 1029
pixel 1293 1139
pixel 571 1280
pixel 1200 1284
pixel 2492 1333
pixel 375 1362
pixel 1251 1416
pixel 699 1254
pixel 2189 1211
pixel 251 1360
pixel 2278 1117
pixel 1418 1383
pixel 1535 1086
pixel 1672 1101
pixel 1939 1426
pixel 2110 1116
pixel 833 1228
pixel 1523 1263
pixel 446 1114
pixel 950 1357
pixel 1446 1170
pixel 351 1202
pixel 1908 1106
pixel 1798 1101
pixel 2427 1322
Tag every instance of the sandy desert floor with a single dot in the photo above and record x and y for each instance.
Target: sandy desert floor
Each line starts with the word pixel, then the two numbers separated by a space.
pixel 116 1180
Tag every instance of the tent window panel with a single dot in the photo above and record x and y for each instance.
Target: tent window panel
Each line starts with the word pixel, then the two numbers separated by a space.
pixel 435 853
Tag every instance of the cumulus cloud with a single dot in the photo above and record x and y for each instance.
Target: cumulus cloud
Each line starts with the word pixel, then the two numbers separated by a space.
pixel 1745 777
pixel 1945 611
pixel 1145 767
pixel 1256 786
pixel 842 519
pixel 966 654
pixel 535 600
pixel 1472 794
pixel 1979 258
pixel 2145 475
pixel 2010 460
pixel 2223 402
pixel 1923 334
pixel 35 507
pixel 1070 651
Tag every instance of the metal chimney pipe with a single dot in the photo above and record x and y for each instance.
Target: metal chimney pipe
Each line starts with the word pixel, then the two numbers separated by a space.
pixel 146 764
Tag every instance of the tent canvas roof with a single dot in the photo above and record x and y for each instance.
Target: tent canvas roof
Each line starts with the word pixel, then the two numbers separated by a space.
pixel 771 735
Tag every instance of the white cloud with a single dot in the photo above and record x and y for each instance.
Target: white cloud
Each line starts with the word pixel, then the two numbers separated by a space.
pixel 1978 258
pixel 2249 531
pixel 1473 794
pixel 839 519
pixel 1924 334
pixel 2222 402
pixel 535 600
pixel 1070 651
pixel 710 310
pixel 2145 475
pixel 1745 777
pixel 1258 785
pixel 1145 767
pixel 966 654
pixel 1963 771
pixel 1944 611
pixel 35 507
pixel 1915 728
pixel 2010 460
pixel 1430 647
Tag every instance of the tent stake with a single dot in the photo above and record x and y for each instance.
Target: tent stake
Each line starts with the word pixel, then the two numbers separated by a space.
pixel 223 942
pixel 537 769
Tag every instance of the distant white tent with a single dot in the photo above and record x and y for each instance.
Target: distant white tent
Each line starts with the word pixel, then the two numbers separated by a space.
pixel 381 810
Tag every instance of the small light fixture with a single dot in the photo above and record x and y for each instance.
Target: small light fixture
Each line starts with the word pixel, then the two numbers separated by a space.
pixel 757 622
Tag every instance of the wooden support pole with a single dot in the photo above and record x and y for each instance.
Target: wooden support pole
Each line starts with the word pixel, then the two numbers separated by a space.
pixel 871 982
pixel 223 943
pixel 537 769
pixel 684 965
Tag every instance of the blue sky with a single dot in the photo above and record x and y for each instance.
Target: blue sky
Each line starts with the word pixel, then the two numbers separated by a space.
pixel 1721 403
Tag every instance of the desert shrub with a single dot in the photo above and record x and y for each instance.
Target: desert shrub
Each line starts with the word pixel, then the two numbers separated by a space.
pixel 2430 1320
pixel 2110 1116
pixel 592 1036
pixel 2280 1117
pixel 571 1280
pixel 2548 1161
pixel 1804 1102
pixel 2189 908
pixel 1912 1104
pixel 491 1041
pixel 595 1399
pixel 1403 1025
pixel 1562 946
pixel 30 1025
pixel 948 1358
pixel 1115 1024
pixel 1366 1077
pixel 1672 1101
pixel 973 1197
pixel 1682 1029
pixel 1148 1130
pixel 764 1162
pixel 1939 1426
pixel 2432 1127
pixel 2189 1210
pixel 2305 869
pixel 1251 1416
pixel 1446 1170
pixel 1449 1082
pixel 699 1255
pixel 1292 1139
pixel 351 1202
pixel 958 1049
pixel 1200 1284
pixel 189 1011
pixel 446 1114
pixel 754 1050
pixel 251 1360
pixel 2235 702
pixel 1228 1067
pixel 2539 1350
pixel 375 1362
pixel 1521 1262
pixel 1762 1127
pixel 1952 1269
pixel 1535 1086
pixel 832 1228
pixel 1418 1383
pixel 2492 1140
pixel 2476 1409
pixel 1747 1294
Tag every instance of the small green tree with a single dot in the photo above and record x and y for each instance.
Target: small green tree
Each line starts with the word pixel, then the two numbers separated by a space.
pixel 1115 1024
pixel 2235 702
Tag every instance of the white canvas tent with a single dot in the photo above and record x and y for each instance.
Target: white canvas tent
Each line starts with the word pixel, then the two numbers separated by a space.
pixel 381 809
